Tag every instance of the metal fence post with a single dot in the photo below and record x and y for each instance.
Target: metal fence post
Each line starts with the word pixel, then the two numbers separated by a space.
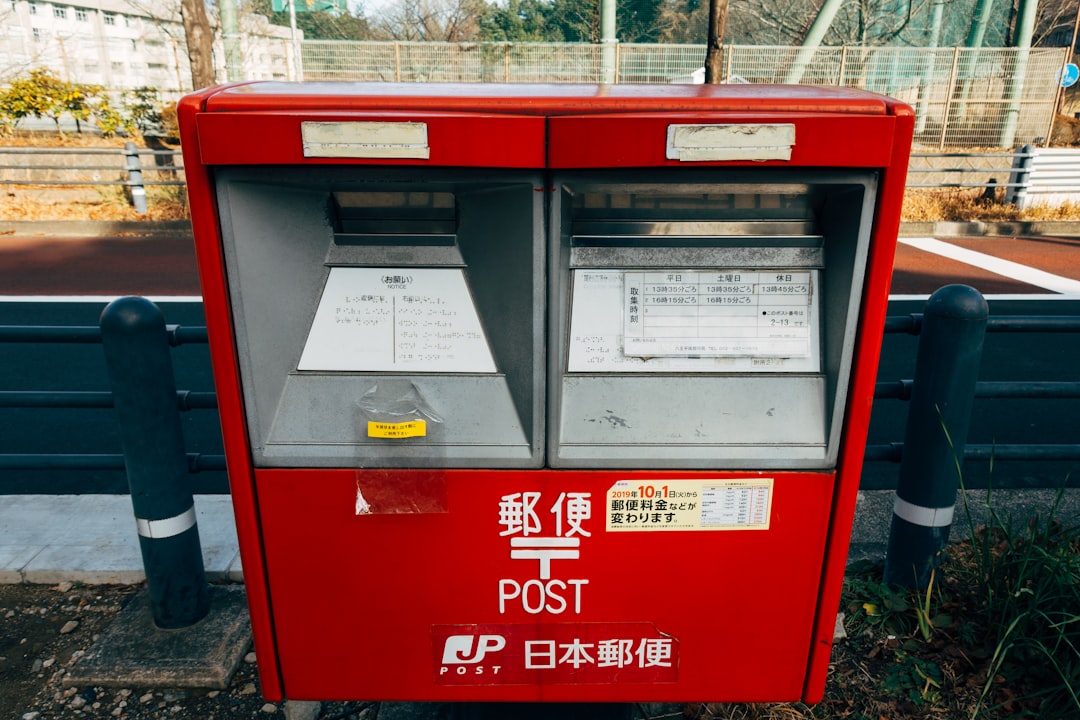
pixel 946 368
pixel 140 371
pixel 135 178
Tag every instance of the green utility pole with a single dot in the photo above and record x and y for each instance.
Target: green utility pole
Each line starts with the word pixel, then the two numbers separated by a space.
pixel 980 18
pixel 1025 28
pixel 936 16
pixel 230 36
pixel 813 39
pixel 608 41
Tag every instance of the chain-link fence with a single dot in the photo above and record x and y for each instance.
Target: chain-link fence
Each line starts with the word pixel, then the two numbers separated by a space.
pixel 992 97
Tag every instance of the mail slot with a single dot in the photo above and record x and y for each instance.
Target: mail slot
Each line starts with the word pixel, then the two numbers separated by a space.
pixel 392 316
pixel 709 319
pixel 545 393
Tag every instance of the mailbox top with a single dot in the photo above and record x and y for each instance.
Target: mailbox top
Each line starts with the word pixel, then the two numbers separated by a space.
pixel 540 99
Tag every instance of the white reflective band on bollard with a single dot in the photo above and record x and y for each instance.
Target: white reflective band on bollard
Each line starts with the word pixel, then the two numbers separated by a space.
pixel 157 529
pixel 924 516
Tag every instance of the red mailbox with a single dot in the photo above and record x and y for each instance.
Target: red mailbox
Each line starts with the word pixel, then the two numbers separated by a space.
pixel 544 393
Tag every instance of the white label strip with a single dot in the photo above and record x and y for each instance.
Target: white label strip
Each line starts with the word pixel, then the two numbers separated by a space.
pixel 366 139
pixel 923 516
pixel 698 143
pixel 157 529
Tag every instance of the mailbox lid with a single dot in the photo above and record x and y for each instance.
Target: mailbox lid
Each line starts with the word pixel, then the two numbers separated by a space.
pixel 543 99
pixel 737 137
pixel 504 125
pixel 338 137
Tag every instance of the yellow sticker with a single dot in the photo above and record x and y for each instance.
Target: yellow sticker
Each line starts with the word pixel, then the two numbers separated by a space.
pixel 666 505
pixel 413 428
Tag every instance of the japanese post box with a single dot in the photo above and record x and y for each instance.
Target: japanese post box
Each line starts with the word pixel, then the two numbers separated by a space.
pixel 544 393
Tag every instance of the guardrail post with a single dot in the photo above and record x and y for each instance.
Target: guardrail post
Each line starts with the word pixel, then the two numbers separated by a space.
pixel 1020 176
pixel 135 178
pixel 946 368
pixel 140 371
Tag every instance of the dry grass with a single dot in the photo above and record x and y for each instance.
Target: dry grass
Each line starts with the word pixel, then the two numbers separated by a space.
pixel 964 205
pixel 95 203
pixel 170 203
pixel 111 205
pixel 37 138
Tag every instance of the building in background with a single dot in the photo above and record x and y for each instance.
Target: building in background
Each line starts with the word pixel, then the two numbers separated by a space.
pixel 123 44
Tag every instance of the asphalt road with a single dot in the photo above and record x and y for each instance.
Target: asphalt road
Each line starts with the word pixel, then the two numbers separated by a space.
pixel 67 281
pixel 104 266
pixel 165 266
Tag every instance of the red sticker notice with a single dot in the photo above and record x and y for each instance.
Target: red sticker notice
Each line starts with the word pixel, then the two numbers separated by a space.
pixel 599 653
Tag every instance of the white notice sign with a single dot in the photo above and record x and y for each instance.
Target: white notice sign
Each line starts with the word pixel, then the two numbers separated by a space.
pixel 711 321
pixel 396 319
pixel 729 313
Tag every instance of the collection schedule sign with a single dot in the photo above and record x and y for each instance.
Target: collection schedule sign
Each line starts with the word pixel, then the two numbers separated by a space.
pixel 732 313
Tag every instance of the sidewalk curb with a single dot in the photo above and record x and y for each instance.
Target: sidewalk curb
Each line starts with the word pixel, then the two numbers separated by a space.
pixel 90 228
pixel 977 228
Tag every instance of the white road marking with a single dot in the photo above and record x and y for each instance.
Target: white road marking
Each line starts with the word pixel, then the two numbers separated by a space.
pixel 1005 268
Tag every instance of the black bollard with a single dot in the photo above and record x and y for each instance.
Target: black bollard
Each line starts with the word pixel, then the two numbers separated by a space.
pixel 946 368
pixel 144 393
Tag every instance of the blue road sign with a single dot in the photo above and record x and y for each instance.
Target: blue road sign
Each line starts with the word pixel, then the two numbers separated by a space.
pixel 1069 75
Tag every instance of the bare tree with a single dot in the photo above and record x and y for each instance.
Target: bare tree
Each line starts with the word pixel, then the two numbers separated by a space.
pixel 1056 23
pixel 444 20
pixel 683 21
pixel 200 42
pixel 869 22
pixel 753 22
pixel 714 52
pixel 198 34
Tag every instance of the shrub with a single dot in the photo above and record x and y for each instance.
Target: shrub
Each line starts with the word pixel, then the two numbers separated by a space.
pixel 42 94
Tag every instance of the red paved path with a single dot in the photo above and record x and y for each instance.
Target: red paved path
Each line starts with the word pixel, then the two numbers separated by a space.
pixel 98 266
pixel 166 265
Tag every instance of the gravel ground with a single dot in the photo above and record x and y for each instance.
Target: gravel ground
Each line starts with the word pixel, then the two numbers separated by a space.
pixel 45 629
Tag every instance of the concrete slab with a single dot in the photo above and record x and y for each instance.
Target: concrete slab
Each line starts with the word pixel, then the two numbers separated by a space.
pixel 236 570
pixel 93 564
pixel 134 652
pixel 92 539
pixel 13 558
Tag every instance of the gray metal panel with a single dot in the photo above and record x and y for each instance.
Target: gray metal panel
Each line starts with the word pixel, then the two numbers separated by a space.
pixel 277 234
pixel 326 423
pixel 809 436
pixel 393 255
pixel 659 230
pixel 693 257
pixel 275 239
pixel 681 421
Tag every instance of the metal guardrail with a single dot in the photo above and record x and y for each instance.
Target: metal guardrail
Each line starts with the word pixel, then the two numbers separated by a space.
pixel 1046 176
pixel 130 173
pixel 902 390
pixel 926 170
pixel 942 170
pixel 186 400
